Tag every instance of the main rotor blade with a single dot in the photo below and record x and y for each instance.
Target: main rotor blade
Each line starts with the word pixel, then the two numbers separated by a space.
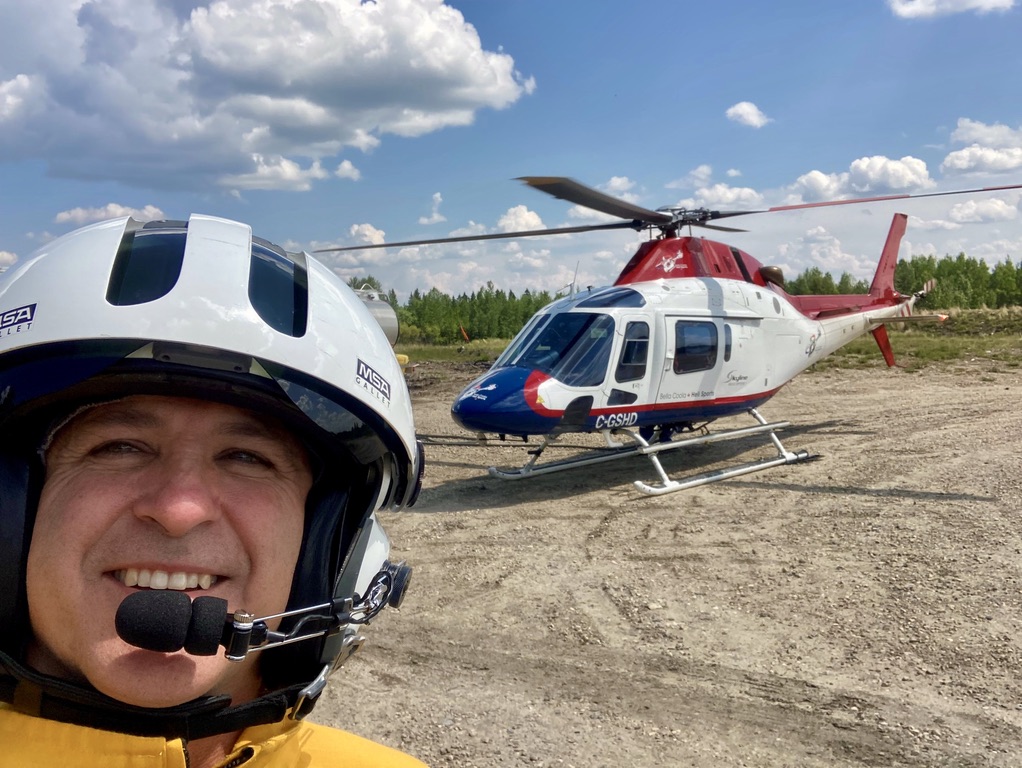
pixel 568 189
pixel 878 199
pixel 498 236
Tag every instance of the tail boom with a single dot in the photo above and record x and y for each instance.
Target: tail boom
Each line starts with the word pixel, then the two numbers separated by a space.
pixel 844 317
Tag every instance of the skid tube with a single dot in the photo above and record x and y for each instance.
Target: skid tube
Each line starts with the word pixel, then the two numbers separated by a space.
pixel 642 447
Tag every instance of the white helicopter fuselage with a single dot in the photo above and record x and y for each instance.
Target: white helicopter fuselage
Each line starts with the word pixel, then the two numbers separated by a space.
pixel 669 352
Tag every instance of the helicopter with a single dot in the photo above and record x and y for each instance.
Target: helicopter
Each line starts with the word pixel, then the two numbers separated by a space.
pixel 691 331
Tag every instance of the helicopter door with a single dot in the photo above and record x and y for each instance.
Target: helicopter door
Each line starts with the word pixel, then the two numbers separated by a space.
pixel 695 348
pixel 630 375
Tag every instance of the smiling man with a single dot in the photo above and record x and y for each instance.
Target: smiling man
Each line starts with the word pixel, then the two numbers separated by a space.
pixel 182 413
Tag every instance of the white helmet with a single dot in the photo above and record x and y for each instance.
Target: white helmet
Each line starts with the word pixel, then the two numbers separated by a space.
pixel 203 308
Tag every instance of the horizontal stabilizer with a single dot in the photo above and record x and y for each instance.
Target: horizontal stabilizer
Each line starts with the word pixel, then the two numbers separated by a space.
pixel 934 318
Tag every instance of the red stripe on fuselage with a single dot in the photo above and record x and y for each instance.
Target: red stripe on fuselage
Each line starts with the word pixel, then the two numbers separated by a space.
pixel 536 378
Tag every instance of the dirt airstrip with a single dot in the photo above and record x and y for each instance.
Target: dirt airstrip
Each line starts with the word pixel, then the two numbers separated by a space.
pixel 864 609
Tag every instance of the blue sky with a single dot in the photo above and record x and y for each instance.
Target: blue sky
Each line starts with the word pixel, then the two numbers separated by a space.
pixel 335 122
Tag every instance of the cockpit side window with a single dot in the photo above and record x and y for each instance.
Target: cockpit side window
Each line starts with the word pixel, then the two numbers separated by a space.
pixel 587 355
pixel 522 342
pixel 695 346
pixel 631 364
pixel 572 347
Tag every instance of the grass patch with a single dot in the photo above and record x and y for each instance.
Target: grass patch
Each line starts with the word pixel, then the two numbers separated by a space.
pixel 475 351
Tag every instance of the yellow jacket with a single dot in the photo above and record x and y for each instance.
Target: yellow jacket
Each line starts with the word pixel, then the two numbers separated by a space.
pixel 27 742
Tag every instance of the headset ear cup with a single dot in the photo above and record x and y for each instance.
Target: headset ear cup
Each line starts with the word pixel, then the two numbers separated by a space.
pixel 20 480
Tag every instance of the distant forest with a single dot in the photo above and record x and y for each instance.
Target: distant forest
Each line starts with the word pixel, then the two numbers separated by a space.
pixel 491 313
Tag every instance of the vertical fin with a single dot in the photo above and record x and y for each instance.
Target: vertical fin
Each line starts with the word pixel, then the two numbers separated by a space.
pixel 880 334
pixel 883 281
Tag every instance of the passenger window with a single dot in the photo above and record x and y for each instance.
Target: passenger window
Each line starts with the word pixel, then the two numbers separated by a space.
pixel 695 346
pixel 634 351
pixel 727 342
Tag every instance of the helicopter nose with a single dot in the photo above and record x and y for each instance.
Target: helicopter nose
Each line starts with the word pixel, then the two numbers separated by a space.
pixel 495 402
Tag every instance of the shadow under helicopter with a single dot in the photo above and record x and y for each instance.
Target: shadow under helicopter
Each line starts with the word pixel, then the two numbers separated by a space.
pixel 483 490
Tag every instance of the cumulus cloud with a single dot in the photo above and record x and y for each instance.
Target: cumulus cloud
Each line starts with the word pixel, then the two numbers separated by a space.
pixel 991 209
pixel 997 135
pixel 367 234
pixel 747 113
pixel 519 219
pixel 698 177
pixel 7 260
pixel 874 175
pixel 620 186
pixel 992 148
pixel 882 174
pixel 723 196
pixel 250 94
pixel 435 217
pixel 820 248
pixel 276 173
pixel 347 171
pixel 80 216
pixel 915 9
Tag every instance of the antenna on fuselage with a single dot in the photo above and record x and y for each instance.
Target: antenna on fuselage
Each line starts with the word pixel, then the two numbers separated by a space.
pixel 573 283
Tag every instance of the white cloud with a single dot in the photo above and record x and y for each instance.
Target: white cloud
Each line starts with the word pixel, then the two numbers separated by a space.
pixel 938 225
pixel 990 209
pixel 472 228
pixel 882 174
pixel 997 135
pixel 7 260
pixel 992 148
pixel 14 97
pixel 816 186
pixel 435 217
pixel 518 219
pixel 877 175
pixel 747 113
pixel 178 94
pixel 347 171
pixel 698 177
pixel 276 173
pixel 80 216
pixel 914 9
pixel 620 186
pixel 723 196
pixel 977 159
pixel 367 234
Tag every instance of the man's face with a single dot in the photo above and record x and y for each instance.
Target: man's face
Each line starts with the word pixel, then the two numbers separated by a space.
pixel 188 494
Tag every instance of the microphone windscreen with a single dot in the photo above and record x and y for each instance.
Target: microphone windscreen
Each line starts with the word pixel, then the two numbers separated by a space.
pixel 206 628
pixel 156 620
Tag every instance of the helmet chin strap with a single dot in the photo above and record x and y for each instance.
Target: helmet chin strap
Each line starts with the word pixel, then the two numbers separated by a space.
pixel 39 695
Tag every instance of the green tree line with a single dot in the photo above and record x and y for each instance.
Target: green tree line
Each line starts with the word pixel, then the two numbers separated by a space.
pixel 435 317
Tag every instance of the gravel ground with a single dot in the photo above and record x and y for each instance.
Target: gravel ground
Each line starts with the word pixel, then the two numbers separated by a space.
pixel 859 610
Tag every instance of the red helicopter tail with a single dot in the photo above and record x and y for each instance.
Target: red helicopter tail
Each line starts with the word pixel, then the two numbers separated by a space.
pixel 881 291
pixel 882 295
pixel 882 287
pixel 883 281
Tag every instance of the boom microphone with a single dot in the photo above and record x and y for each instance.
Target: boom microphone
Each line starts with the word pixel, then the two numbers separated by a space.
pixel 167 621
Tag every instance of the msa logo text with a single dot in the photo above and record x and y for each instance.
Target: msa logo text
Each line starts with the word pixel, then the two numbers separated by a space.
pixel 17 316
pixel 373 382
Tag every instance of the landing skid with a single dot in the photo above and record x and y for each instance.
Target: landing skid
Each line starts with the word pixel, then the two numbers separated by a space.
pixel 642 447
